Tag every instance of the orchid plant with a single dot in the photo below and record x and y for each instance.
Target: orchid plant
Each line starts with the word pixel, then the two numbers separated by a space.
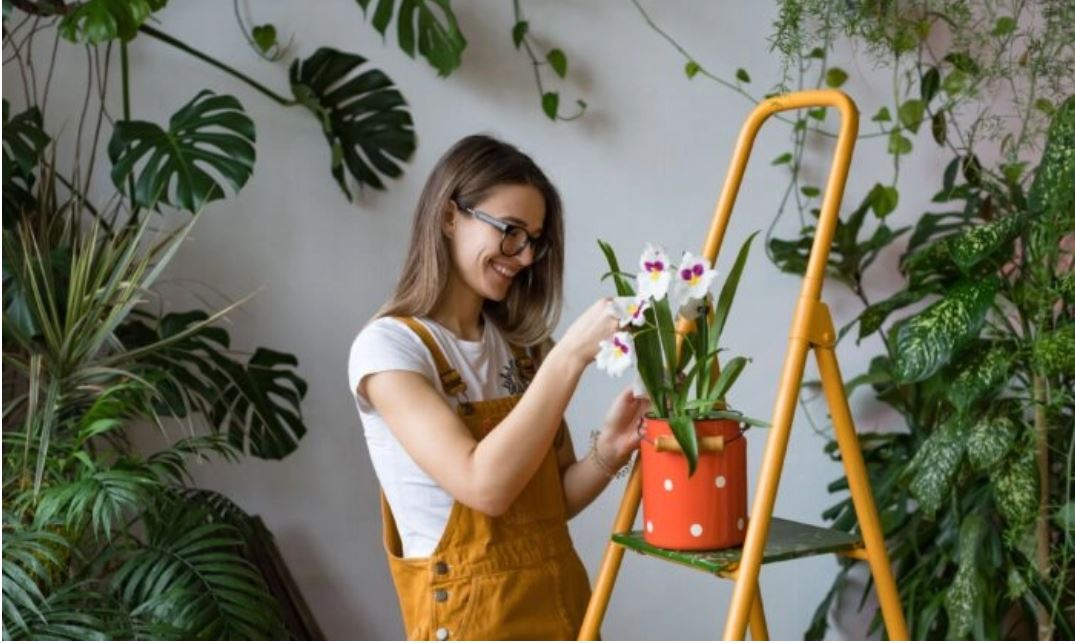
pixel 683 378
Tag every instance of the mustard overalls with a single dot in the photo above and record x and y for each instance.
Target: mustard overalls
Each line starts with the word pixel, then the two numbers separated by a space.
pixel 515 576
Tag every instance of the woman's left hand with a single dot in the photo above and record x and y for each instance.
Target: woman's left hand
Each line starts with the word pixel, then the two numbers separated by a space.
pixel 619 435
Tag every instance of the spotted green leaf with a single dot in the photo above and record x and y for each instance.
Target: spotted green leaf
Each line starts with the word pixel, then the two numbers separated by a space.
pixel 1053 190
pixel 1054 351
pixel 963 598
pixel 211 132
pixel 925 342
pixel 981 376
pixel 429 25
pixel 988 441
pixel 982 241
pixel 935 465
pixel 874 315
pixel 1015 486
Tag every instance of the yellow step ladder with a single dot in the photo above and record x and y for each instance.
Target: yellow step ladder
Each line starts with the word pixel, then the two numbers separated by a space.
pixel 771 539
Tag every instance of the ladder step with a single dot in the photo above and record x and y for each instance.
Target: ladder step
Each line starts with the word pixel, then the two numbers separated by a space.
pixel 787 540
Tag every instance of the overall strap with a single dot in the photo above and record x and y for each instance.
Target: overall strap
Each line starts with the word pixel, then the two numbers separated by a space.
pixel 449 377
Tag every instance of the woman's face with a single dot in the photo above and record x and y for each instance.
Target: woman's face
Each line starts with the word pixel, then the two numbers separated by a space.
pixel 476 244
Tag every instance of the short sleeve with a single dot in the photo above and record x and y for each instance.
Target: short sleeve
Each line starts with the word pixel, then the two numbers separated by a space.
pixel 386 345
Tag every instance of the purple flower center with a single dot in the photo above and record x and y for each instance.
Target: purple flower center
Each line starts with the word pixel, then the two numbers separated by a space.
pixel 698 269
pixel 654 266
pixel 620 345
pixel 686 274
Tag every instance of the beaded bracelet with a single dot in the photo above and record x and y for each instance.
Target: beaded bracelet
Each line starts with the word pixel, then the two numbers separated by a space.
pixel 609 471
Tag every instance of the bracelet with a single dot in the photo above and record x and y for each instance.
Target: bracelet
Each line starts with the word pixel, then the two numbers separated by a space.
pixel 610 472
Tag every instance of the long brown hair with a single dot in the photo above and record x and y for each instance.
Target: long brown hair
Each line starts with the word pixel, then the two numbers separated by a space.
pixel 467 174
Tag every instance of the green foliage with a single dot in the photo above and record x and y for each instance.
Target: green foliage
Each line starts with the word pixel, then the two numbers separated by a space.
pixel 428 26
pixel 97 21
pixel 362 115
pixel 210 131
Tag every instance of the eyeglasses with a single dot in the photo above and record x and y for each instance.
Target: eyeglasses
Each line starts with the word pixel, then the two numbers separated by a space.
pixel 515 239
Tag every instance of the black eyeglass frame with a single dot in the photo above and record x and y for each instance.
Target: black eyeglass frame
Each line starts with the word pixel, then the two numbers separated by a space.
pixel 539 244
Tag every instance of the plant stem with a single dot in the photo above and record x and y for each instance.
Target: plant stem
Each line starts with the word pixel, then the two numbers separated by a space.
pixel 182 46
pixel 1041 436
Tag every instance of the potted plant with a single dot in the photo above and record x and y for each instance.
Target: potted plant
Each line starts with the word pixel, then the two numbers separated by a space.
pixel 694 482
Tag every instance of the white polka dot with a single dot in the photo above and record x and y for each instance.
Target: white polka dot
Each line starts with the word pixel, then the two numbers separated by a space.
pixel 721 481
pixel 739 524
pixel 696 530
pixel 649 526
pixel 667 484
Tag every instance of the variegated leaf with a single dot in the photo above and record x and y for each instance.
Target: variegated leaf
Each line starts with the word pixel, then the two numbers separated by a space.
pixel 982 376
pixel 982 241
pixel 1016 489
pixel 961 600
pixel 1053 192
pixel 988 442
pixel 935 465
pixel 874 315
pixel 926 342
pixel 1054 352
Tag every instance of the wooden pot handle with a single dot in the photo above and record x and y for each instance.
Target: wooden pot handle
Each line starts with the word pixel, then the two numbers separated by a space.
pixel 709 443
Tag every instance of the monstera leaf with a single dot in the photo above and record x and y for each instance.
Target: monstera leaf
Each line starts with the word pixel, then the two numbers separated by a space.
pixel 211 131
pixel 362 115
pixel 437 36
pixel 24 140
pixel 97 21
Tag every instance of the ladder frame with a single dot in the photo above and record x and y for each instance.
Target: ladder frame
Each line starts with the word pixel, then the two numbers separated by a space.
pixel 811 329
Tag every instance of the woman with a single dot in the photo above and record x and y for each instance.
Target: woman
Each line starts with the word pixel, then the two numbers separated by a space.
pixel 462 395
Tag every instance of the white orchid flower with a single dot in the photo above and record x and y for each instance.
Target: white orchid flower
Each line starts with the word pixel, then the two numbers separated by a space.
pixel 630 310
pixel 617 355
pixel 692 281
pixel 656 274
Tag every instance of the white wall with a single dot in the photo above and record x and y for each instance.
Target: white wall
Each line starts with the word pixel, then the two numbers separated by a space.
pixel 644 164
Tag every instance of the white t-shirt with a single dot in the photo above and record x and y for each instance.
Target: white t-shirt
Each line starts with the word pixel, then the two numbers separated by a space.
pixel 419 505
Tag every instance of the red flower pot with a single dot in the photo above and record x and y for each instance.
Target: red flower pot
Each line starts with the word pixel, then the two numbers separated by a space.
pixel 705 511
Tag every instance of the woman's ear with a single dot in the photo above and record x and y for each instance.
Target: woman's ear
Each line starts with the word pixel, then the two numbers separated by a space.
pixel 448 222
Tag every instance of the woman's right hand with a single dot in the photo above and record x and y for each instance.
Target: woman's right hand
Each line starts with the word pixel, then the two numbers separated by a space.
pixel 582 339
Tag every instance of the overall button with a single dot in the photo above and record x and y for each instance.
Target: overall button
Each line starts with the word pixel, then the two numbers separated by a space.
pixel 441 567
pixel 440 595
pixel 442 634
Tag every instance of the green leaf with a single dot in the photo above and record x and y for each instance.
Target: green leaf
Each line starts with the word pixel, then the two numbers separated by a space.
pixel 931 81
pixel 518 32
pixel 898 143
pixel 816 52
pixel 988 441
pixel 882 116
pixel 550 104
pixel 963 598
pixel 24 142
pixel 96 21
pixel 874 315
pixel 742 76
pixel 362 115
pixel 984 374
pixel 934 466
pixel 1004 26
pixel 835 77
pixel 727 293
pixel 818 113
pixel 691 69
pixel 429 25
pixel 963 62
pixel 982 242
pixel 558 62
pixel 927 341
pixel 1065 517
pixel 683 429
pixel 1016 488
pixel 939 128
pixel 265 36
pixel 1052 194
pixel 883 199
pixel 911 113
pixel 810 191
pixel 211 132
pixel 972 169
pixel 1045 106
pixel 783 159
pixel 954 82
pixel 1054 351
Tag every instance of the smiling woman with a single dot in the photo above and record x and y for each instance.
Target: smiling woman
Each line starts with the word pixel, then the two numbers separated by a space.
pixel 462 396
